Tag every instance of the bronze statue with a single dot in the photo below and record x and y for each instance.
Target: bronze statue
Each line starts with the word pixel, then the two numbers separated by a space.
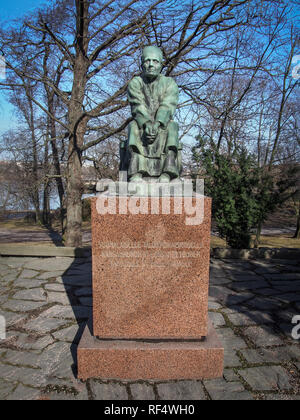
pixel 152 149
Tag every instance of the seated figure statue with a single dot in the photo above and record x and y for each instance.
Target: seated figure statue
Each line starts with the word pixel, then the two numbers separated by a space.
pixel 152 148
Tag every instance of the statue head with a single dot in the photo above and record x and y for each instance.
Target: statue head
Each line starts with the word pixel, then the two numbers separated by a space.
pixel 152 59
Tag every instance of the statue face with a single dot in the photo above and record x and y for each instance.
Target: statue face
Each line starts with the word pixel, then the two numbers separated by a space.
pixel 151 63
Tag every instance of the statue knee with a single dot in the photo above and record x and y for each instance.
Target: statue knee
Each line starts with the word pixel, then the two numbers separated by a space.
pixel 173 126
pixel 133 127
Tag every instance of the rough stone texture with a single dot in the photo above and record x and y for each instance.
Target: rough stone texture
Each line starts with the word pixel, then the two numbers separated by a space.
pixel 150 360
pixel 216 319
pixel 35 295
pixel 219 389
pixel 24 393
pixel 43 264
pixel 44 325
pixel 142 392
pixel 57 359
pixel 109 391
pixel 267 378
pixel 182 390
pixel 22 305
pixel 154 289
pixel 262 336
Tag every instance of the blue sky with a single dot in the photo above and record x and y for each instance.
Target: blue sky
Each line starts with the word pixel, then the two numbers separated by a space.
pixel 10 10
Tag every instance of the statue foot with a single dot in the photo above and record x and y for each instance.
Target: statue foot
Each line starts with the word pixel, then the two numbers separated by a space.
pixel 164 178
pixel 136 178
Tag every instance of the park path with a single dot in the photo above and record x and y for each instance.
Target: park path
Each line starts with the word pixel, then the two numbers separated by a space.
pixel 46 303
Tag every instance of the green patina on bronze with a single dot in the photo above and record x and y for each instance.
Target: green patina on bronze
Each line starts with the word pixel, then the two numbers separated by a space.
pixel 152 149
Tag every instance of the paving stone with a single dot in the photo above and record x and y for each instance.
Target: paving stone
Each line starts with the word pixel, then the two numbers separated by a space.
pixel 44 325
pixel 247 277
pixel 108 391
pixel 230 340
pixel 32 294
pixel 267 378
pixel 69 334
pixel 28 283
pixel 217 319
pixel 6 388
pixel 267 292
pixel 50 275
pixel 11 276
pixel 249 285
pixel 16 262
pixel 230 376
pixel 227 297
pixel 83 291
pixel 183 390
pixel 65 367
pixel 24 393
pixel 217 272
pixel 27 376
pixel 286 315
pixel 214 281
pixel 58 297
pixel 57 361
pixel 283 276
pixel 250 318
pixel 53 287
pixel 274 355
pixel 28 342
pixel 266 270
pixel 56 264
pixel 281 397
pixel 263 336
pixel 288 297
pixel 62 396
pixel 264 304
pixel 12 318
pixel 214 305
pixel 231 359
pixel 86 301
pixel 67 312
pixel 284 284
pixel 22 305
pixel 21 358
pixel 286 328
pixel 83 280
pixel 142 392
pixel 28 274
pixel 219 389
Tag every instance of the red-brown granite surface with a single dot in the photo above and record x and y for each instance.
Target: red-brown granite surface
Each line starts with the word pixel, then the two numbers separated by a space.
pixel 164 360
pixel 150 273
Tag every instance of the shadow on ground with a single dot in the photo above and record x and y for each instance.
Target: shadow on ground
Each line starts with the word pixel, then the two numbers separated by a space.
pixel 77 280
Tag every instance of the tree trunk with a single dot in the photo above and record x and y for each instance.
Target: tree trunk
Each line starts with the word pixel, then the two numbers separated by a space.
pixel 57 171
pixel 258 233
pixel 297 233
pixel 46 198
pixel 77 124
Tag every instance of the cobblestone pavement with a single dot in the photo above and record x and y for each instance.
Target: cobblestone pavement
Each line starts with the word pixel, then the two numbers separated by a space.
pixel 47 301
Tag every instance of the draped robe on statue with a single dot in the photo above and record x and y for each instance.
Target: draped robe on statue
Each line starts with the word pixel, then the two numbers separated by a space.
pixel 154 101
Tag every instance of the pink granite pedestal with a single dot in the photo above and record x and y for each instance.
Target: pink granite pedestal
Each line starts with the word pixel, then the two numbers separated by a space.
pixel 150 294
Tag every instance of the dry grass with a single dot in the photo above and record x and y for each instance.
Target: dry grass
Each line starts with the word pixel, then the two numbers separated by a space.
pixel 280 241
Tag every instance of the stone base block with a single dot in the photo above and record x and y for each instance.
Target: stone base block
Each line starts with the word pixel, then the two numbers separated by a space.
pixel 150 359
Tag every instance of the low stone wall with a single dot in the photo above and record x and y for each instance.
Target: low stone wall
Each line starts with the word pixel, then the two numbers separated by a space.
pixel 220 253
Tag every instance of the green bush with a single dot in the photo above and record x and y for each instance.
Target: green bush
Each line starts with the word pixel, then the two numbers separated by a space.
pixel 231 182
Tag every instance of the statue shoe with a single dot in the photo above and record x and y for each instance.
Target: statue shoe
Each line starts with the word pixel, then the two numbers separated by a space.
pixel 136 178
pixel 164 178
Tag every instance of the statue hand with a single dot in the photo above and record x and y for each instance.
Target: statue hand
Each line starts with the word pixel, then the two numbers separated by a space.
pixel 151 131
